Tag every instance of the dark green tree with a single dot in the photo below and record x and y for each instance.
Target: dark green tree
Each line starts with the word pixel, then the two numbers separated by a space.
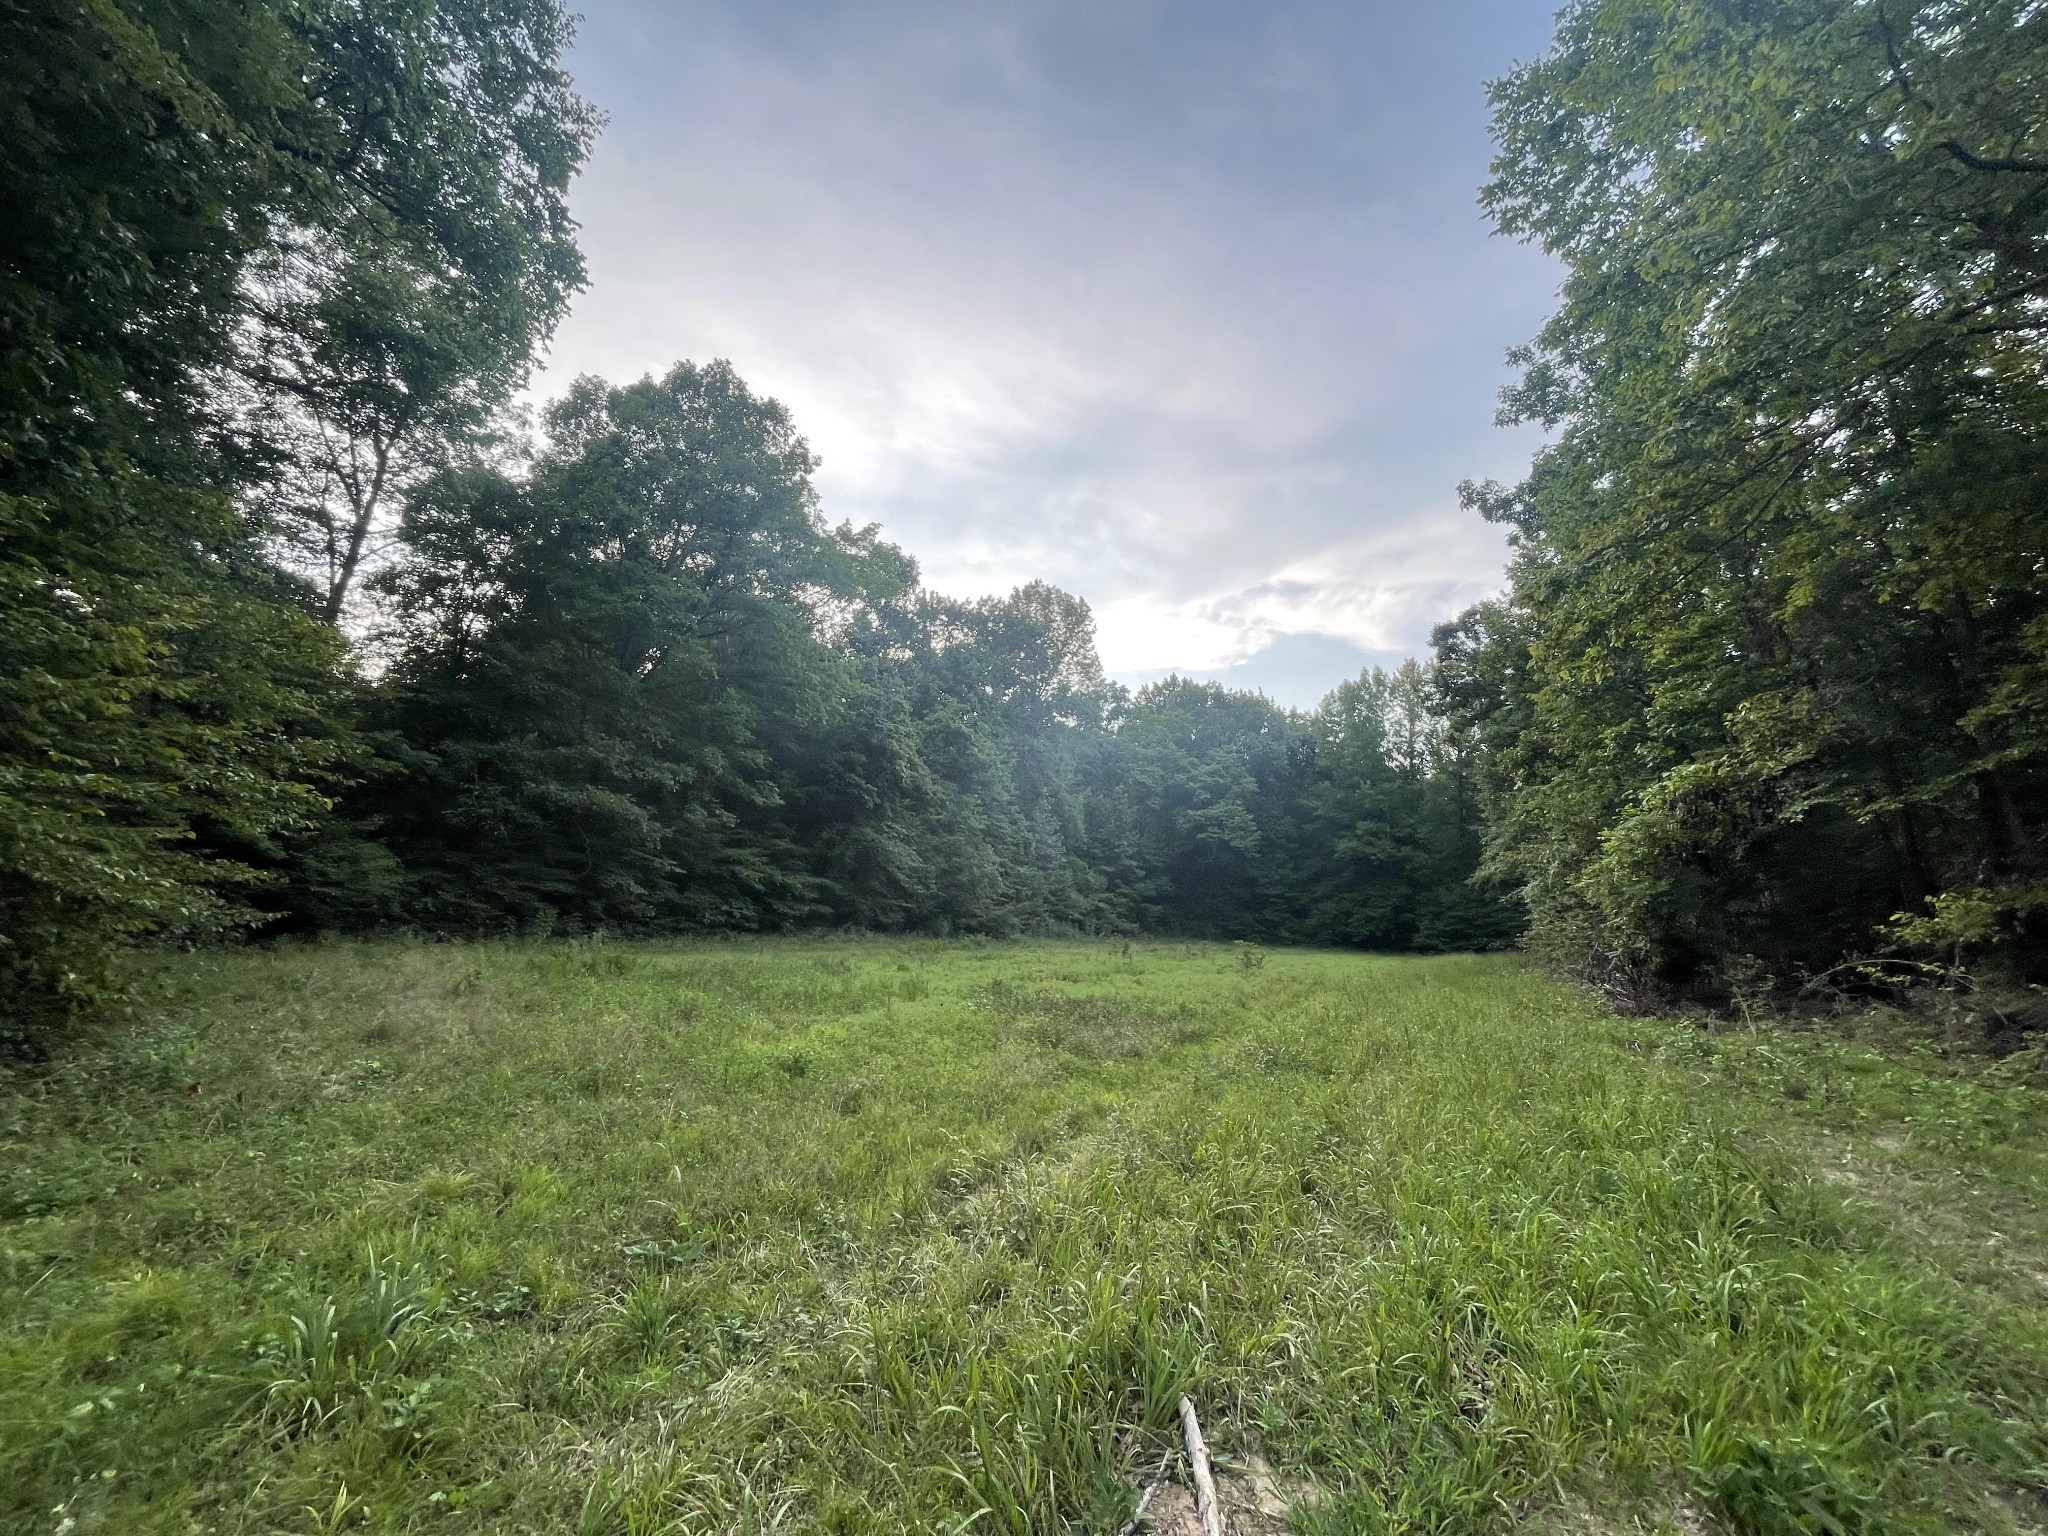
pixel 152 686
pixel 166 697
pixel 1196 799
pixel 1771 666
pixel 420 253
pixel 592 653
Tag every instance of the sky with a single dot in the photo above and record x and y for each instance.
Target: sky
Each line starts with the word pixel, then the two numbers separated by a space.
pixel 1188 308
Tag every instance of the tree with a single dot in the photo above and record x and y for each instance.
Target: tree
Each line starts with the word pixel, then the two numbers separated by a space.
pixel 422 252
pixel 166 700
pixel 1196 801
pixel 1014 696
pixel 153 688
pixel 591 653
pixel 1769 669
pixel 1389 835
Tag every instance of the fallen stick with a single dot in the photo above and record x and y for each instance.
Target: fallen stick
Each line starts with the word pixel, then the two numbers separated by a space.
pixel 1145 1498
pixel 1206 1508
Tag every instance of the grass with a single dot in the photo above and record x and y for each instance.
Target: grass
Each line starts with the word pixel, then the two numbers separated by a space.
pixel 922 1236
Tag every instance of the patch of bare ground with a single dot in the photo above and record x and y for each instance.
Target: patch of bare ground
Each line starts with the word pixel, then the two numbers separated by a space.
pixel 1913 1201
pixel 1576 1517
pixel 2025 1510
pixel 1255 1501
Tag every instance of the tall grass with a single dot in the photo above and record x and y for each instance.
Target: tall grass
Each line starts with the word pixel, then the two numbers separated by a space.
pixel 917 1236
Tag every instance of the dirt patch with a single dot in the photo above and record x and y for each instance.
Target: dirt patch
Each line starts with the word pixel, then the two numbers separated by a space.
pixel 2026 1510
pixel 1255 1502
pixel 1577 1517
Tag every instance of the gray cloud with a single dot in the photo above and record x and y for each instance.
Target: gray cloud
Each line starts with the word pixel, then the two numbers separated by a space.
pixel 1187 308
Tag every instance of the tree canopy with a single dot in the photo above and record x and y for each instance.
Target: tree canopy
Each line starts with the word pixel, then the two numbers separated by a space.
pixel 1771 669
pixel 643 685
pixel 188 193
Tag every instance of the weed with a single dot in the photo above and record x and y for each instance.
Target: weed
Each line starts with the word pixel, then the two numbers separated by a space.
pixel 329 1354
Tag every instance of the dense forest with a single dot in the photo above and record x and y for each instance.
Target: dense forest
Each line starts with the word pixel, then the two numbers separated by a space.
pixel 1770 687
pixel 301 629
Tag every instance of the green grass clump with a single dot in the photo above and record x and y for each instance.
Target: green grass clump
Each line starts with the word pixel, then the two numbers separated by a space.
pixel 920 1236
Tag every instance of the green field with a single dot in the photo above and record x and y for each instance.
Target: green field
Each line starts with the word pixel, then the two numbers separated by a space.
pixel 923 1236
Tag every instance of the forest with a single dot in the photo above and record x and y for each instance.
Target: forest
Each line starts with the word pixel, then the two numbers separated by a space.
pixel 303 628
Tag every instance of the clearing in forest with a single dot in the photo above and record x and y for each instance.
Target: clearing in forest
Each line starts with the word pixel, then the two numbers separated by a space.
pixel 932 1236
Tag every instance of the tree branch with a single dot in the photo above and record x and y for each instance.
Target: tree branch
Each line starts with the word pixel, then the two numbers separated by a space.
pixel 2001 163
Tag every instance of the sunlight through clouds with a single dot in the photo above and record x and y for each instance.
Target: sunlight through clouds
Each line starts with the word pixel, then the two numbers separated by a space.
pixel 1192 313
pixel 1375 597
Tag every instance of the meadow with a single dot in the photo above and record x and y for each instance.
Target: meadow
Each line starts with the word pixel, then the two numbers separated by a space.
pixel 887 1236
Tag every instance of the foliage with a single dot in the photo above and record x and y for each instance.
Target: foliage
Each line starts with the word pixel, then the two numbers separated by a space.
pixel 421 253
pixel 274 272
pixel 1396 823
pixel 153 686
pixel 977 809
pixel 588 654
pixel 168 710
pixel 1770 667
pixel 873 1235
pixel 642 686
pixel 1219 813
pixel 151 704
pixel 1961 921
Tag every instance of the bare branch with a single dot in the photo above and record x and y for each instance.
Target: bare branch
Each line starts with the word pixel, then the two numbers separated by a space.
pixel 1978 162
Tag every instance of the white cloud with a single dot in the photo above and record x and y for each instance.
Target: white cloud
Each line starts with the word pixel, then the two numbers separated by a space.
pixel 1142 634
pixel 1380 594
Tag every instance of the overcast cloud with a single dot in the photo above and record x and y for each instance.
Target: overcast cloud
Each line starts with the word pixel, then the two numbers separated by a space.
pixel 1187 308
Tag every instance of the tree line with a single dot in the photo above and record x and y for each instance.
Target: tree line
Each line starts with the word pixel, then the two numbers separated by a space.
pixel 639 683
pixel 300 629
pixel 297 632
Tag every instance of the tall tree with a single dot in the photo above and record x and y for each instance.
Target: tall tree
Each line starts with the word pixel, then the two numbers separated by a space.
pixel 591 654
pixel 164 693
pixel 1779 619
pixel 422 253
pixel 1198 797
pixel 151 685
